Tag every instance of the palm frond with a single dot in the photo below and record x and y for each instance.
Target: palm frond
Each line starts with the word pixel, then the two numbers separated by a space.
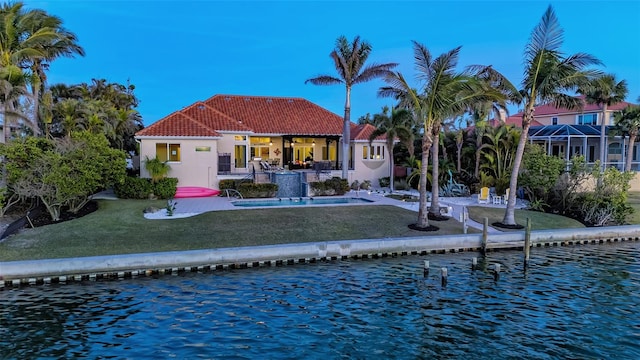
pixel 324 80
pixel 546 36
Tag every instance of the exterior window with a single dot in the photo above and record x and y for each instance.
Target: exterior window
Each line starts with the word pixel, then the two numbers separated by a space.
pixel 203 148
pixel 554 121
pixel 240 156
pixel 615 149
pixel 587 119
pixel 375 152
pixel 168 152
pixel 260 147
pixel 240 138
pixel 303 150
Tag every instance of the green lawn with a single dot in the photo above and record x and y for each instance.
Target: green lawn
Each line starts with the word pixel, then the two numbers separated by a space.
pixel 634 202
pixel 119 227
pixel 539 220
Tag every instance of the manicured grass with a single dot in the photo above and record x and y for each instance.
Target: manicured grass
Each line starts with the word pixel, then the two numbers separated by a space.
pixel 119 227
pixel 539 220
pixel 634 202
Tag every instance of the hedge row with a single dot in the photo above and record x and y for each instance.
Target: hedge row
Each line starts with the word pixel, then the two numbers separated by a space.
pixel 142 188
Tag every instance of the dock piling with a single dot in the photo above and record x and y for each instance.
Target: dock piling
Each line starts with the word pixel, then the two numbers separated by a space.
pixel 426 268
pixel 485 233
pixel 444 276
pixel 527 243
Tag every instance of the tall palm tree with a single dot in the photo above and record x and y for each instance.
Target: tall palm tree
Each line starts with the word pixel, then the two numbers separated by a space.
pixel 349 60
pixel 628 120
pixel 59 42
pixel 547 78
pixel 444 93
pixel 604 91
pixel 397 124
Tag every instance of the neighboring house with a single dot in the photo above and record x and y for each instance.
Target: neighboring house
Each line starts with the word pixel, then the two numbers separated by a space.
pixel 566 133
pixel 232 137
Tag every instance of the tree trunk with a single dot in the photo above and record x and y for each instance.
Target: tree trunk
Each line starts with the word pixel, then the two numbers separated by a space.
pixel 346 135
pixel 435 173
pixel 509 215
pixel 603 138
pixel 391 162
pixel 5 124
pixel 632 142
pixel 459 155
pixel 423 218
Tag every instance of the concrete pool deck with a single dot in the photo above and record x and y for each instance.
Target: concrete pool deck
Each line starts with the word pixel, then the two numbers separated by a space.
pixel 187 207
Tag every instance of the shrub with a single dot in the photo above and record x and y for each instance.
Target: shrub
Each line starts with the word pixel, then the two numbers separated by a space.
pixel 355 185
pixel 251 190
pixel 133 188
pixel 365 185
pixel 165 188
pixel 384 181
pixel 401 184
pixel 333 186
pixel 228 184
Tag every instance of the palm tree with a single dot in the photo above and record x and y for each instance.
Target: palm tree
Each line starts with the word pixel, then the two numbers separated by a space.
pixel 628 120
pixel 548 76
pixel 392 126
pixel 604 91
pixel 59 42
pixel 445 93
pixel 349 60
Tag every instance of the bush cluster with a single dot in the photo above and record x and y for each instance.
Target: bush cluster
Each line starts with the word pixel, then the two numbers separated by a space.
pixel 251 190
pixel 141 188
pixel 333 186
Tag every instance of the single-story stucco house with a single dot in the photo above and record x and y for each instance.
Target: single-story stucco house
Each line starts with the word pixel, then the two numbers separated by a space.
pixel 233 137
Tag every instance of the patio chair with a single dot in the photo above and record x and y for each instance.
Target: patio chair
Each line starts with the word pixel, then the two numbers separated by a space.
pixel 483 197
pixel 265 166
pixel 506 196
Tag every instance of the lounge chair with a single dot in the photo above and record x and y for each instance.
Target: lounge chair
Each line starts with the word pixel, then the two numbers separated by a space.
pixel 265 166
pixel 483 197
pixel 506 196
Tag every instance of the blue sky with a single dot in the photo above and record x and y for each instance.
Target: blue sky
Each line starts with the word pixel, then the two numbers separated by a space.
pixel 177 53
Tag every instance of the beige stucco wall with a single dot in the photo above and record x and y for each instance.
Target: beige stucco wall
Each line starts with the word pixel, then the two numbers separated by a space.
pixel 195 168
pixel 371 170
pixel 570 119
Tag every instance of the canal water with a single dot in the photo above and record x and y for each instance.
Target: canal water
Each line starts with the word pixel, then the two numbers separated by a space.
pixel 578 302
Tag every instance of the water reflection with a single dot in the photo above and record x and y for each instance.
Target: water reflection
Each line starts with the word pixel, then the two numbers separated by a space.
pixel 572 303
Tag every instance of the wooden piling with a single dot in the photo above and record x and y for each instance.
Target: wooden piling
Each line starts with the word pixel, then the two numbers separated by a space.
pixel 444 276
pixel 496 271
pixel 485 233
pixel 527 243
pixel 474 263
pixel 426 268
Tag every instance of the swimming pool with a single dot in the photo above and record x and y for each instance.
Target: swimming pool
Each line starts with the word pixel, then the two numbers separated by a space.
pixel 300 202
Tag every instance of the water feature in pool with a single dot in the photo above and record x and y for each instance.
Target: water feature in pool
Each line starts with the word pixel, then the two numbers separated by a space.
pixel 300 202
pixel 575 302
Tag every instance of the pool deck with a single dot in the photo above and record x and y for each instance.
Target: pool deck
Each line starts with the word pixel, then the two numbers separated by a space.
pixel 193 206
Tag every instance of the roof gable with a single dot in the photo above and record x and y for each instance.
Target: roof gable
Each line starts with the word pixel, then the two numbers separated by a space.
pixel 361 132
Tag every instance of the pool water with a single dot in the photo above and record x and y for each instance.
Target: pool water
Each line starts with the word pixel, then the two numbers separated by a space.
pixel 300 202
pixel 575 302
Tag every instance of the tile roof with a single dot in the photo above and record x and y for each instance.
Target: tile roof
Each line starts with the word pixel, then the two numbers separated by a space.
pixel 178 124
pixel 257 114
pixel 362 132
pixel 550 109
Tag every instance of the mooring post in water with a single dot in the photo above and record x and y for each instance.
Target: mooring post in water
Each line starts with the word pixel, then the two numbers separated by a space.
pixel 426 268
pixel 474 263
pixel 463 219
pixel 527 243
pixel 444 276
pixel 496 271
pixel 485 232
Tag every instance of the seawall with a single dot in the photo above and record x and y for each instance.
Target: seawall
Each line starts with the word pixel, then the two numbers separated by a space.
pixel 31 272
